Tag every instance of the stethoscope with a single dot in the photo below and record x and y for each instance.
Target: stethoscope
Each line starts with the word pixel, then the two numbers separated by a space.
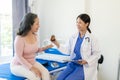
pixel 87 38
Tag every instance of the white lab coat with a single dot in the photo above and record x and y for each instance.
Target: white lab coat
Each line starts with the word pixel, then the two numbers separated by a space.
pixel 89 51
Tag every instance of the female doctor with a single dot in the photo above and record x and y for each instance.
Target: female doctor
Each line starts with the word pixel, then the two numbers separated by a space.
pixel 84 52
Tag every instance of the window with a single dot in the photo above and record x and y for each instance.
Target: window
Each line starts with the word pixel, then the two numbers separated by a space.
pixel 6 45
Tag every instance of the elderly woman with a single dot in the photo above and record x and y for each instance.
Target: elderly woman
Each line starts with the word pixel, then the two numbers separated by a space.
pixel 26 47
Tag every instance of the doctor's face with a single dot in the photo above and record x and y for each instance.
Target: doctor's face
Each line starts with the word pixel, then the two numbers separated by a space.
pixel 81 25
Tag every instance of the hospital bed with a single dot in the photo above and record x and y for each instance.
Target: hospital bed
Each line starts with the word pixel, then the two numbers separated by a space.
pixel 51 64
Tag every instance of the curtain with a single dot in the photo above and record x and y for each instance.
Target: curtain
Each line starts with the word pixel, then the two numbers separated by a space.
pixel 19 9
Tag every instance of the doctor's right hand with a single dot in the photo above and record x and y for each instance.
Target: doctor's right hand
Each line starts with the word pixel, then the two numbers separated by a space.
pixel 82 62
pixel 54 41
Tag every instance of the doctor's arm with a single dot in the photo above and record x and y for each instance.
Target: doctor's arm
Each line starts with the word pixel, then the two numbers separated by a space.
pixel 63 48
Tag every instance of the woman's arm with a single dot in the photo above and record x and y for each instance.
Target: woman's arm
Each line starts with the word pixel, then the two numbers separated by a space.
pixel 44 48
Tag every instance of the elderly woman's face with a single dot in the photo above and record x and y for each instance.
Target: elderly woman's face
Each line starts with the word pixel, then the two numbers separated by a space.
pixel 35 26
pixel 81 25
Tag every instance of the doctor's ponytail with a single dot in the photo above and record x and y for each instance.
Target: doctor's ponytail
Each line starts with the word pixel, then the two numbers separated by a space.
pixel 88 29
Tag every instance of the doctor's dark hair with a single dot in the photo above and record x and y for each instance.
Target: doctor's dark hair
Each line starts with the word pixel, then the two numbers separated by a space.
pixel 26 23
pixel 86 19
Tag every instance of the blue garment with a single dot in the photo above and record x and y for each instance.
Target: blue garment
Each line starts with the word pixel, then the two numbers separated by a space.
pixel 74 70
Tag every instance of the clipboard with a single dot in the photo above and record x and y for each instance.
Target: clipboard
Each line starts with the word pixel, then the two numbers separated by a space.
pixel 72 60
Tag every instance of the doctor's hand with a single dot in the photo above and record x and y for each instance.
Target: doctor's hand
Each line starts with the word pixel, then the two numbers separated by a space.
pixel 82 62
pixel 54 41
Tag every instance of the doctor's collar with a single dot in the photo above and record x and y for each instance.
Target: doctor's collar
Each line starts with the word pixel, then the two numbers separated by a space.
pixel 80 36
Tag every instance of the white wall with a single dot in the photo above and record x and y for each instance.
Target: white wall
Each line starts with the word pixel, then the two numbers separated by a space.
pixel 37 7
pixel 58 17
pixel 105 25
